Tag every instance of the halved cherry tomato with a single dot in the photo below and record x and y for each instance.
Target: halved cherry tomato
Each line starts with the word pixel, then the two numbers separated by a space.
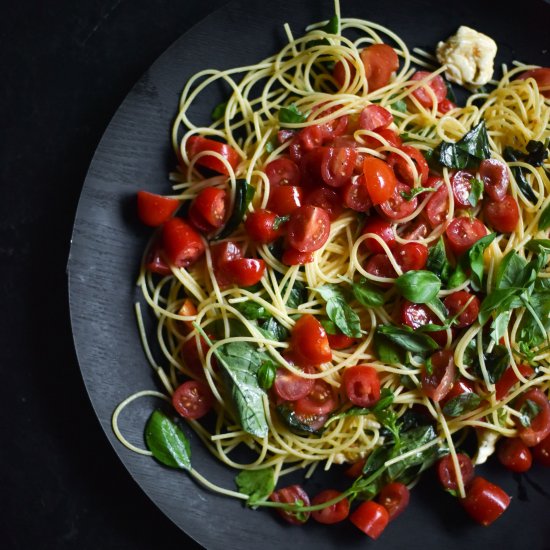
pixel 495 177
pixel 542 78
pixel 461 186
pixel 380 61
pixel 332 128
pixel 437 85
pixel 539 427
pixel 320 400
pixel 283 200
pixel 446 471
pixel 282 171
pixel 197 220
pixel 308 228
pixel 337 165
pixel 411 256
pixel 199 144
pixel 463 232
pixel 416 229
pixel 333 513
pixel 340 341
pixel 309 342
pixel 305 140
pixel 508 379
pixel 418 315
pixel 154 261
pixel 514 455
pixel 459 387
pixel 355 195
pixel 293 494
pixel 244 271
pixel 310 164
pixel 314 421
pixel 456 301
pixel 291 387
pixel 182 245
pixel 437 381
pixel 187 309
pixel 438 205
pixel 502 216
pixel 402 168
pixel 389 135
pixel 362 385
pixel 541 452
pixel 327 199
pixel 445 106
pixel 383 229
pixel 372 518
pixel 154 210
pixel 397 207
pixel 339 72
pixel 379 265
pixel 394 497
pixel 380 179
pixel 211 205
pixel 193 399
pixel 374 117
pixel 485 502
pixel 295 257
pixel 260 226
pixel 222 253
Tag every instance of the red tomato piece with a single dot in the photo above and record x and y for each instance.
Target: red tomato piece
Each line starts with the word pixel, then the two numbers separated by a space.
pixel 539 427
pixel 294 494
pixel 379 265
pixel 282 171
pixel 154 210
pixel 244 271
pixel 187 309
pixel 197 220
pixel 502 216
pixel 339 72
pixel 381 181
pixel 382 229
pixel 295 257
pixel 308 228
pixel 182 245
pixel 193 399
pixel 411 256
pixel 340 341
pixel 283 200
pixel 362 385
pixel 192 357
pixel 334 127
pixel 320 400
pixel 374 117
pixel 309 342
pixel 260 226
pixel 417 229
pixel 437 382
pixel 463 232
pixel 446 471
pixel 508 379
pixel 438 206
pixel 380 61
pixel 402 168
pixel 542 78
pixel 355 195
pixel 356 469
pixel 371 517
pixel 397 207
pixel 337 165
pixel 222 253
pixel 514 455
pixel 461 186
pixel 211 204
pixel 394 497
pixel 541 452
pixel 418 315
pixel 373 142
pixel 445 106
pixel 495 177
pixel 327 199
pixel 460 386
pixel 199 144
pixel 334 513
pixel 485 502
pixel 306 139
pixel 456 301
pixel 291 387
pixel 437 85
pixel 154 261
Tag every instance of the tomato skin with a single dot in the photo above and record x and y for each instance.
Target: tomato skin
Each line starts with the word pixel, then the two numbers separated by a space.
pixel 411 256
pixel 456 301
pixel 445 106
pixel 461 186
pixel 291 387
pixel 285 199
pixel 154 260
pixel 446 471
pixel 417 315
pixel 379 265
pixel 321 400
pixel 199 144
pixel 192 357
pixel 380 179
pixel 394 497
pixel 327 199
pixel 306 140
pixel 383 229
pixel 514 455
pixel 355 195
pixel 389 135
pixel 333 513
pixel 397 207
pixel 308 228
pixel 187 309
pixel 356 469
pixel 373 117
pixel 340 341
pixel 154 210
pixel 244 271
pixel 438 384
pixel 372 518
pixel 402 169
pixel 540 424
pixel 292 495
pixel 182 245
pixel 193 399
pixel 463 232
pixel 211 205
pixel 436 83
pixel 438 206
pixel 484 502
pixel 362 385
pixel 295 257
pixel 282 171
pixel 502 216
pixel 309 342
pixel 508 379
pixel 337 165
pixel 542 78
pixel 380 61
pixel 541 452
pixel 260 226
pixel 495 177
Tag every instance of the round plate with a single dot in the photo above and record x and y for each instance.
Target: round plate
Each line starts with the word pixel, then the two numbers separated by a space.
pixel 135 153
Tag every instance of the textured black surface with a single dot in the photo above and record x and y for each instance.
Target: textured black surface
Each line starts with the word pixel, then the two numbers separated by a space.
pixel 66 66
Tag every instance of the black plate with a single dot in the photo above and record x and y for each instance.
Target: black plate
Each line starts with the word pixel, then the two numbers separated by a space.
pixel 107 244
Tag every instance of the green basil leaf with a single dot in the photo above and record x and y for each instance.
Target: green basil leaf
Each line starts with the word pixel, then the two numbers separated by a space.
pixel 328 292
pixel 339 311
pixel 537 152
pixel 291 115
pixel 498 300
pixel 418 286
pixel 475 259
pixel 332 25
pixel 297 296
pixel 476 191
pixel 244 193
pixel 167 442
pixel 387 351
pixel 496 362
pixel 536 318
pixel 407 339
pixel 528 412
pixel 252 310
pixel 544 220
pixel 539 246
pixel 409 195
pixel 510 272
pixel 437 261
pixel 274 330
pixel 452 156
pixel 266 374
pixel 329 326
pixel 257 484
pixel 476 142
pixel 513 155
pixel 463 403
pixel 458 276
pixel 280 220
pixel 386 399
pixel 499 326
pixel 367 294
pixel 400 105
pixel 219 111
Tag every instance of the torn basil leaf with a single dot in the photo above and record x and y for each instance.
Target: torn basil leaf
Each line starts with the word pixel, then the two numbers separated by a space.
pixel 528 412
pixel 418 286
pixel 339 311
pixel 367 294
pixel 291 115
pixel 219 111
pixel 257 484
pixel 406 338
pixel 468 151
pixel 476 191
pixel 437 261
pixel 461 404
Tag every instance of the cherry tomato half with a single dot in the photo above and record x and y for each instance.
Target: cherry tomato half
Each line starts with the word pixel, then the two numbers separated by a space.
pixel 260 226
pixel 334 513
pixel 211 206
pixel 394 497
pixel 193 352
pixel 193 399
pixel 495 177
pixel 199 144
pixel 380 179
pixel 397 207
pixel 373 117
pixel 320 400
pixel 402 168
pixel 411 256
pixel 542 78
pixel 340 341
pixel 514 455
pixel 461 186
pixel 445 106
pixel 502 216
pixel 446 471
pixel 418 315
pixel 438 205
pixel 154 210
pixel 295 257
pixel 541 452
pixel 380 61
pixel 382 229
pixel 463 232
pixel 291 387
pixel 155 261
pixel 327 199
pixel 355 195
pixel 308 228
pixel 182 245
pixel 539 427
pixel 293 494
pixel 485 502
pixel 244 271
pixel 456 301
pixel 283 200
pixel 309 342
pixel 337 165
pixel 437 85
pixel 379 265
pixel 362 385
pixel 371 517
pixel 505 383
pixel 282 171
pixel 437 381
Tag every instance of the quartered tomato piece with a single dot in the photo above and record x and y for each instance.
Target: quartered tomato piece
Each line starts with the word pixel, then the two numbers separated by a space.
pixel 283 200
pixel 305 140
pixel 374 117
pixel 293 494
pixel 210 205
pixel 154 210
pixel 502 216
pixel 382 229
pixel 403 169
pixel 292 256
pixel 380 179
pixel 199 144
pixel 244 271
pixel 418 315
pixel 308 228
pixel 355 195
pixel 340 341
pixel 411 256
pixel 505 383
pixel 438 205
pixel 291 387
pixel 372 518
pixel 309 342
pixel 495 177
pixel 193 399
pixel 461 185
pixel 438 378
pixel 182 245
pixel 485 502
pixel 327 199
pixel 154 261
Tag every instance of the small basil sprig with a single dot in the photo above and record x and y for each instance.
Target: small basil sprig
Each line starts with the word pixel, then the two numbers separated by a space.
pixel 438 262
pixel 469 150
pixel 339 311
pixel 476 191
pixel 461 404
pixel 244 192
pixel 291 115
pixel 408 339
pixel 472 261
pixel 367 294
pixel 409 195
pixel 386 399
pixel 418 286
pixel 257 484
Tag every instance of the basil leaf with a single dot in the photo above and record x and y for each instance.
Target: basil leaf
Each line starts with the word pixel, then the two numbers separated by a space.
pixel 452 156
pixel 418 286
pixel 539 246
pixel 535 324
pixel 500 325
pixel 291 115
pixel 407 339
pixel 329 326
pixel 332 25
pixel 475 259
pixel 266 374
pixel 458 276
pixel 537 152
pixel 476 142
pixel 451 96
pixel 297 296
pixel 367 294
pixel 167 442
pixel 529 410
pixel 476 191
pixel 339 311
pixel 244 193
pixel 257 484
pixel 329 292
pixel 437 261
pixel 498 300
pixel 295 425
pixel 252 310
pixel 510 272
pixel 409 195
pixel 274 330
pixel 386 399
pixel 463 403
pixel 513 155
pixel 496 362
pixel 279 220
pixel 400 105
pixel 387 351
pixel 219 111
